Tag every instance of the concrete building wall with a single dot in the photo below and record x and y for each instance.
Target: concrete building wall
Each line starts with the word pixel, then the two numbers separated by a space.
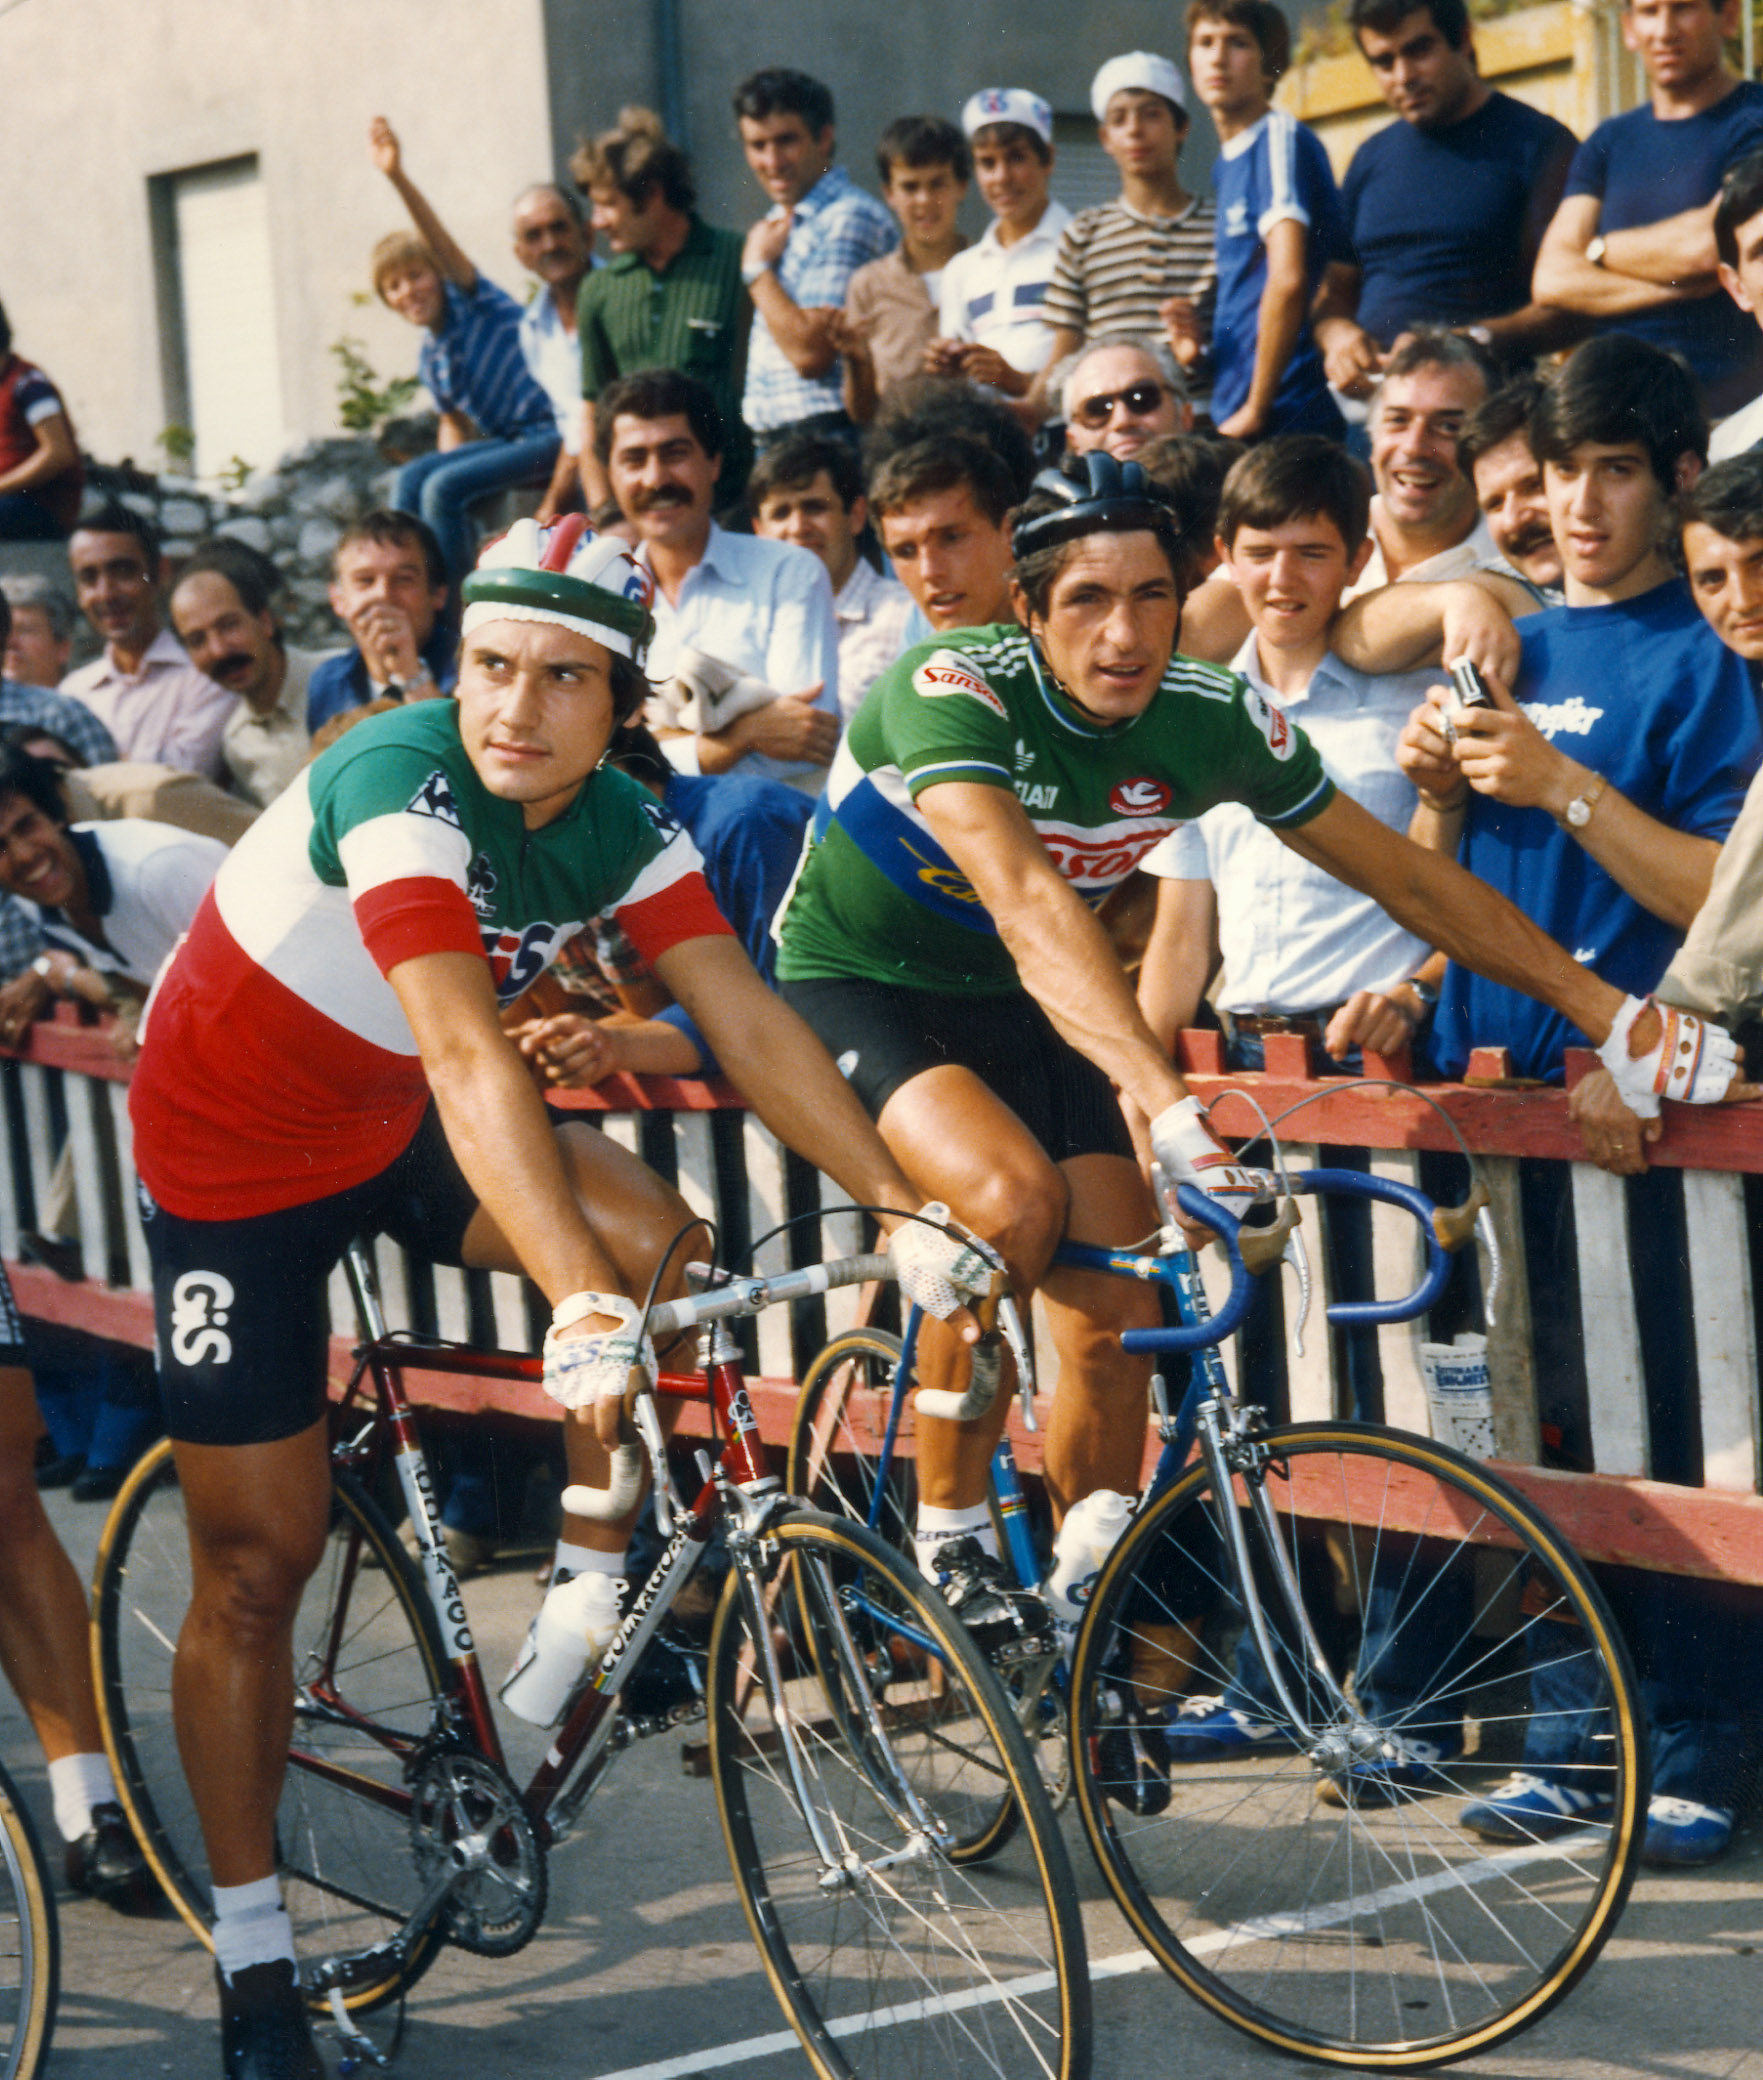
pixel 107 94
pixel 881 61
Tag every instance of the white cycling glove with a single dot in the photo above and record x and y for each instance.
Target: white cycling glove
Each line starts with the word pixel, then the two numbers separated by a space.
pixel 1187 1151
pixel 1694 1061
pixel 583 1370
pixel 940 1272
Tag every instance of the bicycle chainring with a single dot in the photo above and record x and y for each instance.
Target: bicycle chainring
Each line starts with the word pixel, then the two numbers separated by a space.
pixel 466 1817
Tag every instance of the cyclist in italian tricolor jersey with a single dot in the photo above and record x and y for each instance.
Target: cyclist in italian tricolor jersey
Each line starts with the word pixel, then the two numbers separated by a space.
pixel 322 1056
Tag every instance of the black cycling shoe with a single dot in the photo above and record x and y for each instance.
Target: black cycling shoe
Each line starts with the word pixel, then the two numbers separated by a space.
pixel 106 1863
pixel 265 2032
pixel 1132 1762
pixel 999 1616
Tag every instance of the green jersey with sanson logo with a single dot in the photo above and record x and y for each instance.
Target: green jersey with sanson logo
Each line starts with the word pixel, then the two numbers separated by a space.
pixel 877 897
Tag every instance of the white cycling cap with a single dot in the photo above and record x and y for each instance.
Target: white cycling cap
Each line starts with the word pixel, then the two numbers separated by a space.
pixel 565 574
pixel 1145 69
pixel 1008 105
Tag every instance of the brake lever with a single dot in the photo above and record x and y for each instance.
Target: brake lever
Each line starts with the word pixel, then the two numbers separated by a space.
pixel 1010 1326
pixel 1297 1255
pixel 648 1421
pixel 1454 1226
pixel 1262 1248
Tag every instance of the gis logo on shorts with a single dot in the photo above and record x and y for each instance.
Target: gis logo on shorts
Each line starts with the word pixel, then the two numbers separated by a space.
pixel 201 1302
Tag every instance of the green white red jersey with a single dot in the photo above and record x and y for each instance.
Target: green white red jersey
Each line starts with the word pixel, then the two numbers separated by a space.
pixel 877 897
pixel 277 1065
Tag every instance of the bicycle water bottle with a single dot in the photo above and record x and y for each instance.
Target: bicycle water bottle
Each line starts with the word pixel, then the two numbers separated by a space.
pixel 1092 1529
pixel 575 1625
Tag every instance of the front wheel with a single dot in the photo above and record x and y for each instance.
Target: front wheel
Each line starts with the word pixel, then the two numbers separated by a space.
pixel 30 1944
pixel 368 1678
pixel 874 1734
pixel 1360 1884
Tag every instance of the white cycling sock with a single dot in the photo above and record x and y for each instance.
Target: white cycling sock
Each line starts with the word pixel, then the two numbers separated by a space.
pixel 935 1528
pixel 77 1783
pixel 572 1560
pixel 251 1926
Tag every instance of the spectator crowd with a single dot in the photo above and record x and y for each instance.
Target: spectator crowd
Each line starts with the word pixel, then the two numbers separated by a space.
pixel 1462 401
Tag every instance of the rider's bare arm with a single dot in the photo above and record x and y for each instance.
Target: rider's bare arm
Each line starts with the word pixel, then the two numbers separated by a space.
pixel 496 1124
pixel 1061 953
pixel 1448 907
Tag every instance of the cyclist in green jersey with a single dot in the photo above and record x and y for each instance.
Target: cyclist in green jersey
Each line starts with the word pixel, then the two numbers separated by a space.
pixel 942 942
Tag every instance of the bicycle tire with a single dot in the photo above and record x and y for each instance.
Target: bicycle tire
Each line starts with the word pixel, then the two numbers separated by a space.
pixel 30 1943
pixel 962 1970
pixel 366 1636
pixel 1373 1929
pixel 834 1463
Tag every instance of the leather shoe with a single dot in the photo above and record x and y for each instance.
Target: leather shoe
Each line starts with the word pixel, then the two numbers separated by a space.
pixel 98 1483
pixel 265 2033
pixel 60 1470
pixel 106 1863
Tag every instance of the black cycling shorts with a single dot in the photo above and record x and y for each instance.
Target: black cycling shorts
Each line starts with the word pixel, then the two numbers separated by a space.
pixel 241 1307
pixel 12 1346
pixel 881 1036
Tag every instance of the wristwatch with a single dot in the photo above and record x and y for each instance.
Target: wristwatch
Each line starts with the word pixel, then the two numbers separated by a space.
pixel 750 275
pixel 1595 251
pixel 44 965
pixel 1429 997
pixel 1579 810
pixel 1481 334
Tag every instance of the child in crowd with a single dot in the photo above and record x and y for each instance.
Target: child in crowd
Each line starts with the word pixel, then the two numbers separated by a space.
pixel 890 315
pixel 498 428
pixel 992 329
pixel 1143 263
pixel 1279 223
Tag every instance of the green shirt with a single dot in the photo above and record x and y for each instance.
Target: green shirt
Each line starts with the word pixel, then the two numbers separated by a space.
pixel 692 316
pixel 878 897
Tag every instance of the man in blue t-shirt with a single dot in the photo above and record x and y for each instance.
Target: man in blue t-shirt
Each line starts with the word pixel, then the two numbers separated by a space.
pixel 1596 794
pixel 1597 798
pixel 1632 244
pixel 1278 225
pixel 1444 209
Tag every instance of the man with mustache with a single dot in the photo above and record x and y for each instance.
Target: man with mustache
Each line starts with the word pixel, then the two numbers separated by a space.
pixel 1508 479
pixel 220 609
pixel 746 644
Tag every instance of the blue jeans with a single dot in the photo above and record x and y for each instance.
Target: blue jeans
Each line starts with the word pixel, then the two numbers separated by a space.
pixel 439 488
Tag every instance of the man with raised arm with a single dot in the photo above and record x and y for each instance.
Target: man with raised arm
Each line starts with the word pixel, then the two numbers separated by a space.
pixel 941 940
pixel 324 1056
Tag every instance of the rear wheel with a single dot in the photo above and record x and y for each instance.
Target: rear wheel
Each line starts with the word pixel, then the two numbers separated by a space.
pixel 844 1788
pixel 30 1944
pixel 1324 1885
pixel 368 1673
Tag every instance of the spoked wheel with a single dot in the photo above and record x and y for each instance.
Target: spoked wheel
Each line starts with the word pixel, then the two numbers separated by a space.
pixel 30 1944
pixel 1342 1890
pixel 835 1459
pixel 839 1463
pixel 368 1668
pixel 842 1790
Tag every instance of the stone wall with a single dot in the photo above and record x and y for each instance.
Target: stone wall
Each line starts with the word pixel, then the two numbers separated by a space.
pixel 294 513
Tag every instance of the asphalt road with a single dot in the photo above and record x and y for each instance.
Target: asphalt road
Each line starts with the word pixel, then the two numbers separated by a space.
pixel 644 1970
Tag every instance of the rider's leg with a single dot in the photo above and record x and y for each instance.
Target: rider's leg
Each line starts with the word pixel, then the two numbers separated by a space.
pixel 1096 1431
pixel 257 1516
pixel 634 1215
pixel 959 1142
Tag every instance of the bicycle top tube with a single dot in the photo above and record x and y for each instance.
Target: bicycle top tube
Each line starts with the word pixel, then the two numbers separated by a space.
pixel 1143 1264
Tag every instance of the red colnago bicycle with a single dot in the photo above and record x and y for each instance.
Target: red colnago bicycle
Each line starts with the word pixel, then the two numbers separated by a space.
pixel 862 1750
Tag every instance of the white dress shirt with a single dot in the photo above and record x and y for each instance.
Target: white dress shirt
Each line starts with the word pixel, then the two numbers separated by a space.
pixel 763 607
pixel 554 356
pixel 872 614
pixel 1294 938
pixel 1476 552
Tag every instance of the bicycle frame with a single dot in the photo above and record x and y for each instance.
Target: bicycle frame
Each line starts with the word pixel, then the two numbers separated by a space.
pixel 1209 1411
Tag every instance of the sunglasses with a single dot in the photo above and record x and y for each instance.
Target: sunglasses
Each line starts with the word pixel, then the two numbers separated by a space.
pixel 1139 399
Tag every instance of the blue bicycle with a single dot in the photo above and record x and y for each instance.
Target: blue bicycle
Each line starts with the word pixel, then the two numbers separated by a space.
pixel 1397 1623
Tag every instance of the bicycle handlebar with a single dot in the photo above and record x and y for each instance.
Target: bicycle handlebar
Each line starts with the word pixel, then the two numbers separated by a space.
pixel 737 1296
pixel 1354 1184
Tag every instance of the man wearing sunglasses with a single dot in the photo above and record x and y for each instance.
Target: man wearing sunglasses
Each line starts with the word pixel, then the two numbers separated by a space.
pixel 1122 391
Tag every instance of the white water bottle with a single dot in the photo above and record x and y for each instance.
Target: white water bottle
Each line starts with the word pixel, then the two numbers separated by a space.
pixel 575 1625
pixel 1091 1530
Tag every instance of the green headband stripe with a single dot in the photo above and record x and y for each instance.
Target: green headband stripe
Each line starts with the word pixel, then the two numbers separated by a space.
pixel 558 593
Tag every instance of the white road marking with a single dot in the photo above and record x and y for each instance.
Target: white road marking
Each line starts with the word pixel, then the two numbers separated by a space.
pixel 1329 1915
